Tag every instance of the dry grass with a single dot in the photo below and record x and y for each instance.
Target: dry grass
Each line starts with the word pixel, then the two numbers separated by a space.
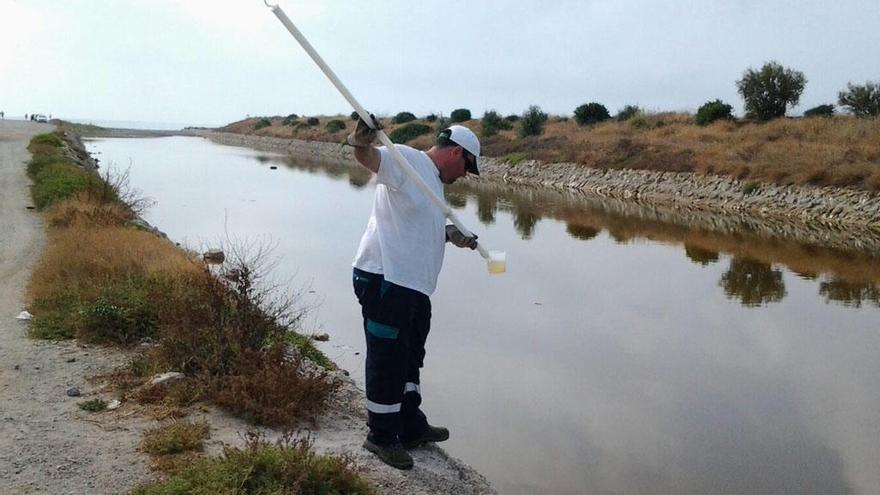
pixel 100 279
pixel 838 151
pixel 176 437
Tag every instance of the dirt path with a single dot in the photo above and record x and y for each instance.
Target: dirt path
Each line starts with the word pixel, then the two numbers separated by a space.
pixel 48 445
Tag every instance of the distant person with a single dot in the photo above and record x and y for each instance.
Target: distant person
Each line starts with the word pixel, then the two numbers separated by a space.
pixel 2 115
pixel 25 117
pixel 395 272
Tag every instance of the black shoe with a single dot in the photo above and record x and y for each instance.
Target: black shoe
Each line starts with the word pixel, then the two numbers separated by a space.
pixel 392 454
pixel 432 434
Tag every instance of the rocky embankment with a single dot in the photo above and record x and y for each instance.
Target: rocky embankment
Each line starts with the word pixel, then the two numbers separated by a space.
pixel 832 207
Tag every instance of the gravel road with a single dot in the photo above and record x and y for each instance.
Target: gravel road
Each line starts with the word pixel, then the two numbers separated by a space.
pixel 47 444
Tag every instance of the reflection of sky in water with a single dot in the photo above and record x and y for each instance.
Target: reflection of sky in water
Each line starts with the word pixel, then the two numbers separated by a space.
pixel 611 358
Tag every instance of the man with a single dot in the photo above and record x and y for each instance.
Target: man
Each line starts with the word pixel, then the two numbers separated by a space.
pixel 395 272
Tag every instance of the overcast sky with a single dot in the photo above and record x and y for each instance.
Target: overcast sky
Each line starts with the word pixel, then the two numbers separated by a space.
pixel 210 62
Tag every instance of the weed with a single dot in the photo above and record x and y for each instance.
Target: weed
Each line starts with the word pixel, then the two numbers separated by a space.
pixel 306 348
pixel 176 437
pixel 514 158
pixel 750 187
pixel 57 181
pixel 262 123
pixel 49 139
pixel 94 405
pixel 289 466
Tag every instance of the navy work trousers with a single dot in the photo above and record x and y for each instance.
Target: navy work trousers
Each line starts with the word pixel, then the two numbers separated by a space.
pixel 396 325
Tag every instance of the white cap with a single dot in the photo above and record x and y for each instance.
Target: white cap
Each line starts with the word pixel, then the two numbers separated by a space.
pixel 463 137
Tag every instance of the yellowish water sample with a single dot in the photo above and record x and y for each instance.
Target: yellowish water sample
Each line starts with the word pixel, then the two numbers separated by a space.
pixel 497 262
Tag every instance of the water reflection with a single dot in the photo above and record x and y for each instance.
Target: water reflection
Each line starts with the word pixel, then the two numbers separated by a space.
pixel 847 274
pixel 699 255
pixel 850 294
pixel 753 283
pixel 633 349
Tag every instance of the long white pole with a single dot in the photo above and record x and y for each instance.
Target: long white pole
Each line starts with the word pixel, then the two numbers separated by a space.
pixel 383 138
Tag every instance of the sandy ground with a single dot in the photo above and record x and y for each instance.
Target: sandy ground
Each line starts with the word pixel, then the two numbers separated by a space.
pixel 48 445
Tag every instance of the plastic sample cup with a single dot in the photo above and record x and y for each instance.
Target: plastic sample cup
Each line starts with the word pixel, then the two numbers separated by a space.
pixel 497 262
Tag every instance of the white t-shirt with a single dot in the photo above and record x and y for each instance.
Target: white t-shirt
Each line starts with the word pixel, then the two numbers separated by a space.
pixel 406 234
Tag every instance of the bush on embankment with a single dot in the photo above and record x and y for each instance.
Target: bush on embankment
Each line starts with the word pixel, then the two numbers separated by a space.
pixel 838 151
pixel 290 466
pixel 55 177
pixel 102 279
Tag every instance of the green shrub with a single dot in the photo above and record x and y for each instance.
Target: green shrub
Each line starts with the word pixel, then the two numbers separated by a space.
pixel 627 112
pixel 591 113
pixel 771 89
pixel 176 437
pixel 514 158
pixel 532 122
pixel 334 125
pixel 512 117
pixel 261 124
pixel 94 405
pixel 492 123
pixel 49 139
pixel 403 118
pixel 861 101
pixel 460 115
pixel 826 110
pixel 290 466
pixel 123 314
pixel 312 121
pixel 407 132
pixel 38 163
pixel 307 349
pixel 431 117
pixel 57 181
pixel 290 119
pixel 713 110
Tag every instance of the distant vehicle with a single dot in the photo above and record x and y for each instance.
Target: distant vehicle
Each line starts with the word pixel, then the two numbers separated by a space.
pixel 40 118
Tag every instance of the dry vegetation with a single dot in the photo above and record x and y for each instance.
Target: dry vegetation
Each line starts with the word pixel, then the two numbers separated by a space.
pixel 836 151
pixel 288 467
pixel 102 278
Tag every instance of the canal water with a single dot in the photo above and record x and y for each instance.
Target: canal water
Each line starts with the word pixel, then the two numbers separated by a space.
pixel 625 351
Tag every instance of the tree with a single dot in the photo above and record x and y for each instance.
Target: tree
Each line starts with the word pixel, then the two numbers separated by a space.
pixel 770 90
pixel 825 110
pixel 713 110
pixel 403 118
pixel 492 123
pixel 591 113
pixel 532 122
pixel 460 115
pixel 862 101
pixel 627 112
pixel 754 283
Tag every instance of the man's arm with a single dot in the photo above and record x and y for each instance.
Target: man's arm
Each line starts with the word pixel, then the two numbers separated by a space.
pixel 368 157
pixel 362 139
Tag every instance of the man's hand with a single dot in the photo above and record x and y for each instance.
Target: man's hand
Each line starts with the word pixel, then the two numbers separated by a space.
pixel 363 135
pixel 458 239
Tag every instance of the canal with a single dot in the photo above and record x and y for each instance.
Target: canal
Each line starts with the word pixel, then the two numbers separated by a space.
pixel 627 350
